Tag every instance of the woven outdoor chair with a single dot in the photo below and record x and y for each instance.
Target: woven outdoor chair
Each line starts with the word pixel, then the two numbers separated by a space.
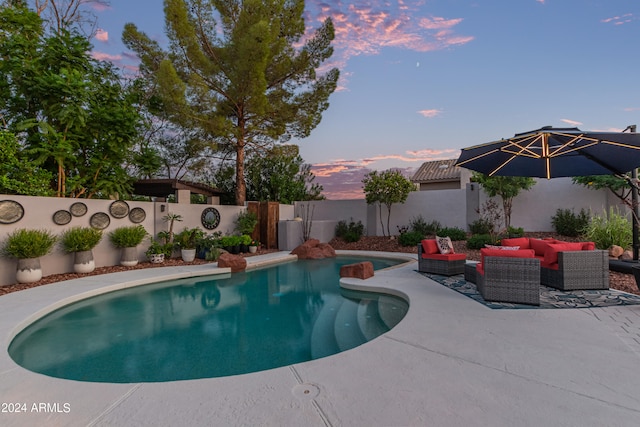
pixel 507 279
pixel 436 263
pixel 578 270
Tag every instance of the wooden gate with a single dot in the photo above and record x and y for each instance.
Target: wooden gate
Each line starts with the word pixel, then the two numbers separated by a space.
pixel 268 216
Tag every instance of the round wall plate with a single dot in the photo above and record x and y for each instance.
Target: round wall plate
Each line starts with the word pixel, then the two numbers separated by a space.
pixel 99 220
pixel 210 218
pixel 137 215
pixel 78 209
pixel 62 217
pixel 119 209
pixel 10 211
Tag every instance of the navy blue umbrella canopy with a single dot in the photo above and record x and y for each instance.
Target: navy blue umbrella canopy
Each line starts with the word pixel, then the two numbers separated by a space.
pixel 555 152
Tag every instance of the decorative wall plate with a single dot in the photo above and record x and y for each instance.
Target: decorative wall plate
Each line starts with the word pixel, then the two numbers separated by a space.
pixel 78 209
pixel 210 218
pixel 10 211
pixel 62 217
pixel 99 220
pixel 119 209
pixel 137 215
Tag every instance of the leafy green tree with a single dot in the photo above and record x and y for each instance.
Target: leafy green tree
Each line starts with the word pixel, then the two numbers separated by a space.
pixel 386 188
pixel 618 186
pixel 19 175
pixel 239 71
pixel 507 187
pixel 281 175
pixel 73 113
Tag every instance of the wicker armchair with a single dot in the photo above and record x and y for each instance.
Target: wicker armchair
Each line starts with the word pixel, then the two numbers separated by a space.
pixel 436 263
pixel 578 270
pixel 509 279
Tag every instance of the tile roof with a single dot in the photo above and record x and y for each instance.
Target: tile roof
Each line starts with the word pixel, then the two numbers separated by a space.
pixel 437 170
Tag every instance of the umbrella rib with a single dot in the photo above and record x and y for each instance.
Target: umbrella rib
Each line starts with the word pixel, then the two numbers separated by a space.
pixel 479 156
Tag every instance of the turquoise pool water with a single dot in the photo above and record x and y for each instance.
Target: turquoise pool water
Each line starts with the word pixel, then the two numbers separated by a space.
pixel 209 326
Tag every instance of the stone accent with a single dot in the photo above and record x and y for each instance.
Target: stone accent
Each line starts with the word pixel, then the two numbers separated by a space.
pixel 615 251
pixel 361 270
pixel 235 262
pixel 313 249
pixel 626 256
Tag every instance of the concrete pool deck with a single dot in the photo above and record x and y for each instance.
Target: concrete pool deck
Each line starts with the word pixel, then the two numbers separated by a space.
pixel 450 362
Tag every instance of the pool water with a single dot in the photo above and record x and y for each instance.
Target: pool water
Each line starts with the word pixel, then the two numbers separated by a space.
pixel 209 326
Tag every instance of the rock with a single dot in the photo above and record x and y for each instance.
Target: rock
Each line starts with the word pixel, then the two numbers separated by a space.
pixel 361 270
pixel 615 251
pixel 313 249
pixel 235 262
pixel 626 256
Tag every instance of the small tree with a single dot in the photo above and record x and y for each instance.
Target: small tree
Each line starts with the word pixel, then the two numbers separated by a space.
pixel 386 188
pixel 507 187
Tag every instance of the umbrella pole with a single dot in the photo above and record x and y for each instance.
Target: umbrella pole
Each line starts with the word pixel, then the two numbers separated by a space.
pixel 634 219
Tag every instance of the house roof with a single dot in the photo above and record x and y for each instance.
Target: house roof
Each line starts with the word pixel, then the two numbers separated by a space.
pixel 166 187
pixel 437 171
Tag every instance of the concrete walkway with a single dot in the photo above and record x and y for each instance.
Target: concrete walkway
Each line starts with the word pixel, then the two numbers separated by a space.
pixel 450 362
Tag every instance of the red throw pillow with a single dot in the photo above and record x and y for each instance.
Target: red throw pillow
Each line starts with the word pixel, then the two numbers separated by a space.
pixel 551 254
pixel 588 246
pixel 540 246
pixel 429 246
pixel 523 242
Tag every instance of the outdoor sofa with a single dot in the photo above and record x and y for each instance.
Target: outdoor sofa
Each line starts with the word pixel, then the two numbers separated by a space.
pixel 567 265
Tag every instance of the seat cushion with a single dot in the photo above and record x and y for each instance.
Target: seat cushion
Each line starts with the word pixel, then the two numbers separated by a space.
pixel 520 253
pixel 540 245
pixel 551 254
pixel 446 257
pixel 522 242
pixel 429 246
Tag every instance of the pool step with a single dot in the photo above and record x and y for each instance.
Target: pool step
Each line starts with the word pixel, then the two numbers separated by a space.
pixel 389 311
pixel 371 325
pixel 347 330
pixel 323 339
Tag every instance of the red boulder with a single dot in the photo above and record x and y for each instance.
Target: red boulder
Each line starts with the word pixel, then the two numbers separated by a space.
pixel 235 262
pixel 361 270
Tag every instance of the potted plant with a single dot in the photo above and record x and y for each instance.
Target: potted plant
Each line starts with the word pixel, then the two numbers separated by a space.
pixel 246 222
pixel 157 252
pixel 245 241
pixel 187 240
pixel 80 241
pixel 253 246
pixel 208 247
pixel 127 238
pixel 27 246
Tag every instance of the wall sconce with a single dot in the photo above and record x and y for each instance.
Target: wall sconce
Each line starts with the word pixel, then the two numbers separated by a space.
pixel 162 207
pixel 471 187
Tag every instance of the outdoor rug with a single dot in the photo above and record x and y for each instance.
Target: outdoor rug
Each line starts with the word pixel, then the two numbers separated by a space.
pixel 549 297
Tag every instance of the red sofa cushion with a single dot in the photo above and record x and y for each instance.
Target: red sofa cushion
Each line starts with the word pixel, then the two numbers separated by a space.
pixel 588 246
pixel 520 253
pixel 540 245
pixel 429 246
pixel 551 254
pixel 446 257
pixel 523 242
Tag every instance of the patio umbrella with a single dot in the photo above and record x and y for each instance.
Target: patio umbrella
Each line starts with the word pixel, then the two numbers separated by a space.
pixel 555 152
pixel 561 152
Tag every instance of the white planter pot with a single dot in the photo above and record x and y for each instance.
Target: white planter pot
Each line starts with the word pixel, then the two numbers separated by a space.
pixel 84 262
pixel 29 270
pixel 129 257
pixel 188 255
pixel 253 249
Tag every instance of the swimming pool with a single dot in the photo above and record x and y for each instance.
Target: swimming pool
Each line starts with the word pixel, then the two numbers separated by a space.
pixel 209 326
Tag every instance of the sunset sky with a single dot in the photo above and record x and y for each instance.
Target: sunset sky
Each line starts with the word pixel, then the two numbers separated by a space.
pixel 422 79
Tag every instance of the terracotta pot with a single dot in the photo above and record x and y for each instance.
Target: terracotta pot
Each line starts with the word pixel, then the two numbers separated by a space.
pixel 29 270
pixel 84 262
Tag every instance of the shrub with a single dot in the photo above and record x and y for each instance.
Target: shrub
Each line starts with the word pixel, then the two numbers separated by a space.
pixel 481 226
pixel 567 223
pixel 25 243
pixel 515 232
pixel 78 239
pixel 611 229
pixel 350 232
pixel 419 224
pixel 246 222
pixel 477 241
pixel 454 233
pixel 411 238
pixel 128 237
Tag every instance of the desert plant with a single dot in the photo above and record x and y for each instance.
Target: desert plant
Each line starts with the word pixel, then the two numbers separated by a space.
pixel 351 231
pixel 79 239
pixel 477 241
pixel 246 222
pixel 567 223
pixel 410 238
pixel 609 229
pixel 455 233
pixel 481 226
pixel 171 218
pixel 188 238
pixel 157 248
pixel 127 236
pixel 515 231
pixel 28 243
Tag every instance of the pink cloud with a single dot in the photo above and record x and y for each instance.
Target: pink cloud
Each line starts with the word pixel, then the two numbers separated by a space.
pixel 571 122
pixel 102 56
pixel 102 35
pixel 99 6
pixel 430 113
pixel 619 20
